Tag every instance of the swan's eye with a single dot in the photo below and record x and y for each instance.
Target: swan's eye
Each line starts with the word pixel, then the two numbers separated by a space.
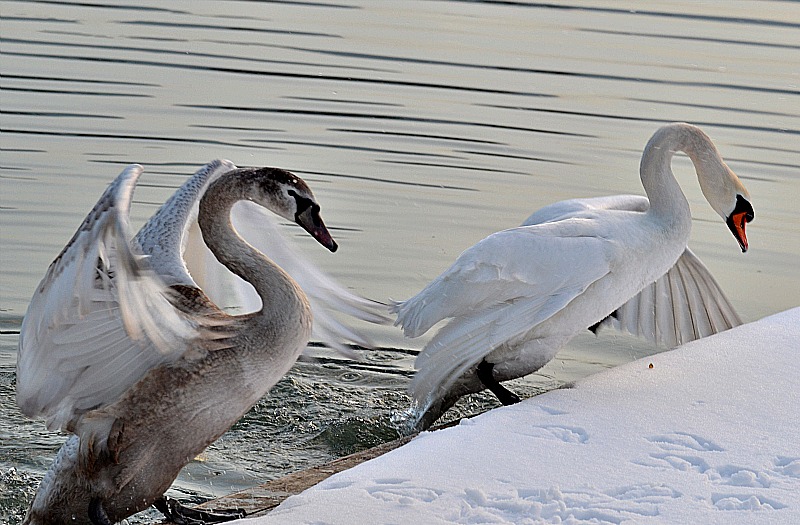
pixel 744 206
pixel 303 204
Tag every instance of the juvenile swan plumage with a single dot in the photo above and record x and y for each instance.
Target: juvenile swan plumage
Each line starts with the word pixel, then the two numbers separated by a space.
pixel 123 350
pixel 515 298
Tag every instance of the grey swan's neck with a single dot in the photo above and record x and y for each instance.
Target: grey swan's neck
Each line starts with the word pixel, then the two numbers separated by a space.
pixel 284 305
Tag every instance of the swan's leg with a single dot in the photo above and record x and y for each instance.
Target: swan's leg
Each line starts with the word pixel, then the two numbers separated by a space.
pixel 97 514
pixel 503 394
pixel 177 513
pixel 434 412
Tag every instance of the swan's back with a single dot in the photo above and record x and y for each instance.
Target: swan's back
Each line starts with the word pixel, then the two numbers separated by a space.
pixel 573 208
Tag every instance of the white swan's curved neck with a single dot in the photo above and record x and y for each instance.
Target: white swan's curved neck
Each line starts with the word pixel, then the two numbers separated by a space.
pixel 665 194
pixel 667 201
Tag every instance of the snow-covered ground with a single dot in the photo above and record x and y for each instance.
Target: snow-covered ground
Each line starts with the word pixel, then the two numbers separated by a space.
pixel 710 433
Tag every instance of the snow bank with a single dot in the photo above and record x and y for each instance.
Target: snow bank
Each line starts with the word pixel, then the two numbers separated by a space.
pixel 710 433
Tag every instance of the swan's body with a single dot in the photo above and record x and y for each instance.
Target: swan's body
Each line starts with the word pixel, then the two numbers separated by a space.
pixel 125 352
pixel 515 298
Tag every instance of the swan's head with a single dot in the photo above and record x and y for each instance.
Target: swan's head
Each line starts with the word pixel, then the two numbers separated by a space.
pixel 729 198
pixel 289 196
pixel 720 185
pixel 742 213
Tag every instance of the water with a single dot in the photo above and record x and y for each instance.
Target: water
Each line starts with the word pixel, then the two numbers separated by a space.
pixel 421 126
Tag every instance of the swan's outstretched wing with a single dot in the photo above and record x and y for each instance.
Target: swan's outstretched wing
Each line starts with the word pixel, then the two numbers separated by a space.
pixel 495 293
pixel 325 295
pixel 685 304
pixel 167 235
pixel 99 320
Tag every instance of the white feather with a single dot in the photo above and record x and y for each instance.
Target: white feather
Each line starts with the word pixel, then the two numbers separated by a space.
pixel 698 304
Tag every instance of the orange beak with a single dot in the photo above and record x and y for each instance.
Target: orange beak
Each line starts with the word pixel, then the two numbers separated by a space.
pixel 736 223
pixel 742 214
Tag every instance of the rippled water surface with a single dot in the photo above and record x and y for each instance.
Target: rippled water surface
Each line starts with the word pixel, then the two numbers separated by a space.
pixel 421 126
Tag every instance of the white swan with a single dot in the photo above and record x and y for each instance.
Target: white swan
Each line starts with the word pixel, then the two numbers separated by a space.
pixel 516 297
pixel 127 354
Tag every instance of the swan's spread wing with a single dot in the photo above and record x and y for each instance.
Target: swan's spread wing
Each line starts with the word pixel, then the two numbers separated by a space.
pixel 98 321
pixel 496 292
pixel 683 305
pixel 173 228
pixel 325 295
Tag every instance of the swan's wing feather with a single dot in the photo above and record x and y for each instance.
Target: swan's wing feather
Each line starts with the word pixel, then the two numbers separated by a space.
pixel 573 208
pixel 262 230
pixel 168 233
pixel 99 319
pixel 496 292
pixel 685 304
pixel 464 342
pixel 326 296
pixel 507 266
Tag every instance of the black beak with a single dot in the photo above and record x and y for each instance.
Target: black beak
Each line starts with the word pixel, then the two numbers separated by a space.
pixel 311 222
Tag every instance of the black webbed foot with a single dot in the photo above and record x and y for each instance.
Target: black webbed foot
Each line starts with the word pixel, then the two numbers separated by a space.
pixel 505 396
pixel 182 515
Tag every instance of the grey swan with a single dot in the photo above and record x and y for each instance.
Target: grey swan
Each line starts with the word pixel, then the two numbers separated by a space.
pixel 515 298
pixel 121 349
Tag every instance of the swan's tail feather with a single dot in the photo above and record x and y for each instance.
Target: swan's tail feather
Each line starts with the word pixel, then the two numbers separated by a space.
pixel 418 314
